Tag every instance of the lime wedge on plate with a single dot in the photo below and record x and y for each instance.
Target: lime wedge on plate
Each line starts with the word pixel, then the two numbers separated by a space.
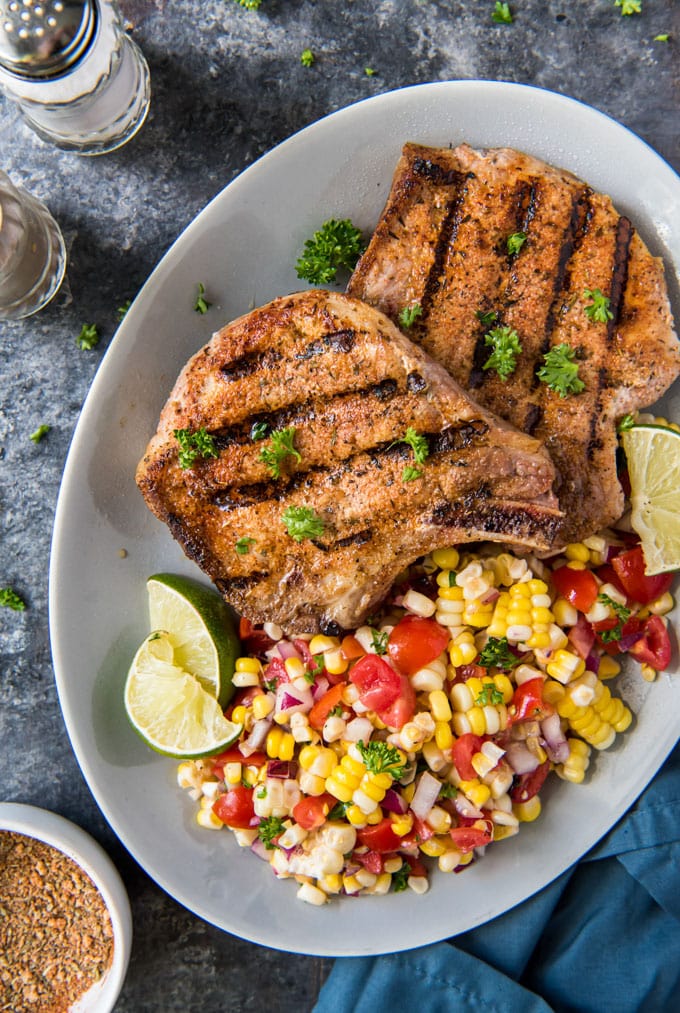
pixel 201 627
pixel 169 708
pixel 653 456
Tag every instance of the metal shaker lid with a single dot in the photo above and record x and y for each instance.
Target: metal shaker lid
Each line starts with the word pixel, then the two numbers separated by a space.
pixel 43 38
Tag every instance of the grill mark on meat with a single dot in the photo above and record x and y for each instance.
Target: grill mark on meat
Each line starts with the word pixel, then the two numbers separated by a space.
pixel 335 341
pixel 445 239
pixel 435 173
pixel 227 585
pixel 532 419
pixel 581 214
pixel 624 235
pixel 474 513
pixel 416 383
pixel 246 365
pixel 239 497
pixel 359 538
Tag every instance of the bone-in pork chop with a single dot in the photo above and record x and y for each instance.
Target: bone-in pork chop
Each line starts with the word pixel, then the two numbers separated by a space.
pixel 345 387
pixel 442 245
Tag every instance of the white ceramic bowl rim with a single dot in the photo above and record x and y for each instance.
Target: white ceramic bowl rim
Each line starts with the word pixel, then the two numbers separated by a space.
pixel 76 844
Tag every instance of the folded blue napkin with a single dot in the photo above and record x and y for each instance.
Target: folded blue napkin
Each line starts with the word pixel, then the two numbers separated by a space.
pixel 603 938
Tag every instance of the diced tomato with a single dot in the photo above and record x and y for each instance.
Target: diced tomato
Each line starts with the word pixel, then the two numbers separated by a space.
pixel 234 755
pixel 654 647
pixel 630 569
pixel 421 831
pixel 243 698
pixel 467 838
pixel 276 671
pixel 465 672
pixel 235 808
pixel 379 837
pixel 529 703
pixel 581 636
pixel 579 587
pixel 371 860
pixel 608 575
pixel 351 647
pixel 415 642
pixel 462 751
pixel 254 640
pixel 311 812
pixel 530 784
pixel 325 704
pixel 417 867
pixel 378 683
pixel 403 708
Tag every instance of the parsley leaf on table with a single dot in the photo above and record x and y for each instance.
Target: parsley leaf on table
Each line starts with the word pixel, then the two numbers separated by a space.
pixel 88 337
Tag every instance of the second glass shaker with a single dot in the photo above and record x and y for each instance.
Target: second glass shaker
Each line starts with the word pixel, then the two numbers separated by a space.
pixel 79 80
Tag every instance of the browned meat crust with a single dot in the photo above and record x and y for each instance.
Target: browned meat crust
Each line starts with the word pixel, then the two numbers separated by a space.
pixel 350 384
pixel 442 243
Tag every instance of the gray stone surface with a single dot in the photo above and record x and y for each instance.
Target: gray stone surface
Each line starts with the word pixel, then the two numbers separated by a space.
pixel 227 86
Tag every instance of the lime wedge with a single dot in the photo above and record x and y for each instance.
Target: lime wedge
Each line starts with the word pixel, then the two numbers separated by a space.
pixel 653 456
pixel 201 628
pixel 169 708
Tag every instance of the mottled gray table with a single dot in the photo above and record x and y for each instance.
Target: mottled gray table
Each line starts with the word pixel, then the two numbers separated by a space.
pixel 227 86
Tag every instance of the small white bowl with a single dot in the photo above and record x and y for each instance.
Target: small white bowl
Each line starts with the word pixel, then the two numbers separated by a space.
pixel 76 844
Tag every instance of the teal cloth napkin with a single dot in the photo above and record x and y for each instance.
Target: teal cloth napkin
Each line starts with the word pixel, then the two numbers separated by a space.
pixel 603 938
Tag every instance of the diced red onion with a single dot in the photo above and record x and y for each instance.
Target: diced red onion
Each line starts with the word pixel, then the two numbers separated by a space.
pixel 627 641
pixel 520 758
pixel 394 803
pixel 281 768
pixel 320 686
pixel 358 730
pixel 464 806
pixel 291 700
pixel 491 595
pixel 259 848
pixel 556 745
pixel 425 796
pixel 257 737
pixel 287 650
pixel 593 663
pixel 581 637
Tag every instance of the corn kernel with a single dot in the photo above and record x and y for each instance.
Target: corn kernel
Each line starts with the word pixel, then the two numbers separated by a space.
pixel 331 883
pixel 351 884
pixel 295 668
pixel 207 819
pixel 335 662
pixel 648 673
pixel 262 706
pixel 434 847
pixel 446 559
pixel 238 715
pixel 500 831
pixel 402 824
pixel 579 551
pixel 248 665
pixel 609 667
pixel 476 720
pixel 439 705
pixel 527 812
pixel 355 816
pixel 273 742
pixel 443 737
pixel 320 644
pixel 375 817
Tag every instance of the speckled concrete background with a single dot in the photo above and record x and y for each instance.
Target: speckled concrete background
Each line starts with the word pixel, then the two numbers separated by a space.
pixel 227 86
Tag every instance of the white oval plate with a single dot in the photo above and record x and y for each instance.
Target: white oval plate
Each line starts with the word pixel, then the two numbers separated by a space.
pixel 243 248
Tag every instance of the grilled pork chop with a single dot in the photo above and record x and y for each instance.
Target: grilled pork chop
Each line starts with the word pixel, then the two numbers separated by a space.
pixel 441 243
pixel 349 384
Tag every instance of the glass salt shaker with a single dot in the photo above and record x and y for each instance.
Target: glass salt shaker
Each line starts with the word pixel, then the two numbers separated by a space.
pixel 79 80
pixel 32 252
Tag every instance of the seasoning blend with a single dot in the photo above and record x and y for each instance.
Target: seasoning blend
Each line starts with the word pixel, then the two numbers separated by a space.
pixel 32 252
pixel 80 82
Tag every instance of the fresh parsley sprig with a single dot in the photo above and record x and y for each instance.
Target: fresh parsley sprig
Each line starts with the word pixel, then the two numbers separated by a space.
pixel 381 758
pixel 243 544
pixel 307 58
pixel 409 315
pixel 629 6
pixel 88 337
pixel 198 443
pixel 302 522
pixel 11 600
pixel 496 653
pixel 622 616
pixel 490 694
pixel 598 310
pixel 486 318
pixel 379 640
pixel 421 451
pixel 337 244
pixel 515 242
pixel 506 350
pixel 281 447
pixel 501 13
pixel 560 372
pixel 39 433
pixel 268 829
pixel 202 305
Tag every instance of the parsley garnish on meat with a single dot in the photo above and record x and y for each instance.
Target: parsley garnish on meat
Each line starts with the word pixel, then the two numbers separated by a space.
pixel 280 448
pixel 307 58
pixel 202 304
pixel 501 13
pixel 496 653
pixel 560 372
pixel 626 423
pixel 242 546
pixel 338 243
pixel 41 431
pixel 598 310
pixel 629 6
pixel 302 522
pixel 409 315
pixel 380 758
pixel 515 242
pixel 421 450
pixel 258 431
pixel 11 600
pixel 486 319
pixel 192 445
pixel 506 348
pixel 88 337
pixel 268 828
pixel 622 615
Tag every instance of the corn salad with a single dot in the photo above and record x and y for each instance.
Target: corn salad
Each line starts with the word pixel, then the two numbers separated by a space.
pixel 427 734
